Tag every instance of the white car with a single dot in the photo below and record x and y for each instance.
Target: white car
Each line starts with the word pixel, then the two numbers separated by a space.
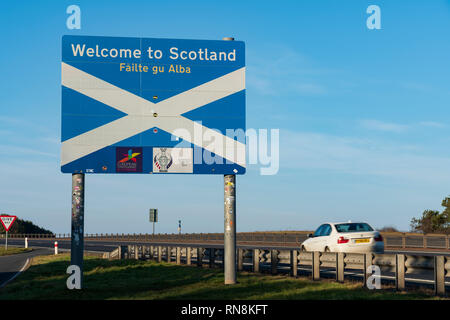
pixel 347 237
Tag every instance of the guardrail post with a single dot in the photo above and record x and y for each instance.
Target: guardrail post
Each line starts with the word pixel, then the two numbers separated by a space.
pixel 159 254
pixel 447 240
pixel 136 252
pixel 340 266
pixel 439 275
pixel 178 255
pixel 168 254
pixel 212 257
pixel 199 257
pixel 188 256
pixel 424 241
pixel 255 260
pixel 367 261
pixel 145 249
pixel 294 263
pixel 240 259
pixel 403 240
pixel 119 253
pixel 316 265
pixel 127 252
pixel 400 272
pixel 274 261
pixel 151 252
pixel 26 242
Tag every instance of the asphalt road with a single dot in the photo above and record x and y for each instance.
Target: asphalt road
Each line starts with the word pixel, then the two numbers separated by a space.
pixel 100 246
pixel 110 245
pixel 12 265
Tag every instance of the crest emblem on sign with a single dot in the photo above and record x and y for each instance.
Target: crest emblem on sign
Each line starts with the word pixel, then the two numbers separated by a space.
pixel 163 161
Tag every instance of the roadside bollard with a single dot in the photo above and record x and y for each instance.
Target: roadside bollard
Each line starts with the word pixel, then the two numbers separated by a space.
pixel 26 242
pixel 56 247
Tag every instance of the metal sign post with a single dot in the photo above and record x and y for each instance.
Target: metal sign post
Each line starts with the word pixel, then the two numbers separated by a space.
pixel 230 223
pixel 77 239
pixel 230 229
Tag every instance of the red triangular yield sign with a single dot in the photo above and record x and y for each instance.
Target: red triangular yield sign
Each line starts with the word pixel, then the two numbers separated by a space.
pixel 7 221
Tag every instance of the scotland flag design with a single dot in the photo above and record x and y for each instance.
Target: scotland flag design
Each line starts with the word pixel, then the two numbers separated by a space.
pixel 130 105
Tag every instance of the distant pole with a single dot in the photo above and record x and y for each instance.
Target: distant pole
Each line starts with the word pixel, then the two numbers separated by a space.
pixel 26 242
pixel 230 223
pixel 179 226
pixel 77 236
pixel 153 218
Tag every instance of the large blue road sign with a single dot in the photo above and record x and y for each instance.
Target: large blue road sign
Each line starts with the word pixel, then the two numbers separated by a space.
pixel 144 105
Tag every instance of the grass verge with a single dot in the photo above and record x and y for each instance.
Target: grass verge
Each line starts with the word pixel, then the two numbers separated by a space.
pixel 12 250
pixel 132 279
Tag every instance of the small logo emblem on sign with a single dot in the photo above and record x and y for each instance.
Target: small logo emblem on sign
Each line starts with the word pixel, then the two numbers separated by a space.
pixel 129 159
pixel 162 160
pixel 173 160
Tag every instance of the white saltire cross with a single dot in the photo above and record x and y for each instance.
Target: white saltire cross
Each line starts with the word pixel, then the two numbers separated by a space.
pixel 141 115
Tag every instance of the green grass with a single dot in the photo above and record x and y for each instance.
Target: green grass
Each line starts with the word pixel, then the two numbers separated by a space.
pixel 12 250
pixel 131 279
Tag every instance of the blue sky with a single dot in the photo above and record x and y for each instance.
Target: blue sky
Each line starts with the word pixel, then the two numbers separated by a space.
pixel 363 114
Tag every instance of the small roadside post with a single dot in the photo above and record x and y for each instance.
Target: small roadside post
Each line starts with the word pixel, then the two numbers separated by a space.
pixel 153 218
pixel 7 222
pixel 179 226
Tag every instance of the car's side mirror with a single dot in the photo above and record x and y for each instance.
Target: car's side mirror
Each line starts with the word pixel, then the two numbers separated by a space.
pixel 310 235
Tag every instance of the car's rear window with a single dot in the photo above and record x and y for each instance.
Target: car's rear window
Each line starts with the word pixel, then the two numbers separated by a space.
pixel 353 227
